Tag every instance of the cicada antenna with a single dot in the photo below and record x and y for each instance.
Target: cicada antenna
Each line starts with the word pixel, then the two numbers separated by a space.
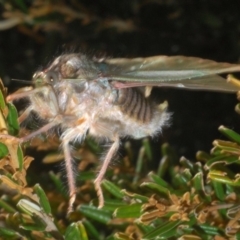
pixel 22 81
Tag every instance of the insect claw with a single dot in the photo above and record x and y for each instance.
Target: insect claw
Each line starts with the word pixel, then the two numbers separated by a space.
pixel 99 191
pixel 6 138
pixel 71 202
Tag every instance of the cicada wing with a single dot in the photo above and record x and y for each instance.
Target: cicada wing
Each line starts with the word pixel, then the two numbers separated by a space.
pixel 209 83
pixel 157 63
pixel 178 71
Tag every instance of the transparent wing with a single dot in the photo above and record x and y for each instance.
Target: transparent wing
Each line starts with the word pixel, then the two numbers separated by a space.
pixel 177 71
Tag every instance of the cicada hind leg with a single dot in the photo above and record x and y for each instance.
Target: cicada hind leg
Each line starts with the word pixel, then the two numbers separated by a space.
pixel 110 154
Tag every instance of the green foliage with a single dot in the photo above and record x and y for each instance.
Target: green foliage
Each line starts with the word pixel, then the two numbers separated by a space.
pixel 196 200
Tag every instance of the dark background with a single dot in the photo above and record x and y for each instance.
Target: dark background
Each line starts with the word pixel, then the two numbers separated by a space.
pixel 207 29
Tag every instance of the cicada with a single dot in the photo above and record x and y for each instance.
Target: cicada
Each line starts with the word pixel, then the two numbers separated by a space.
pixel 109 99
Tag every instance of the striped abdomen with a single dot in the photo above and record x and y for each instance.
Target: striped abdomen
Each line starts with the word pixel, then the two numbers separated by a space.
pixel 134 104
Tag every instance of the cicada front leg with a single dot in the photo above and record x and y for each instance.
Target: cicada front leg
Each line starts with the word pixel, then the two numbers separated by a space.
pixel 43 102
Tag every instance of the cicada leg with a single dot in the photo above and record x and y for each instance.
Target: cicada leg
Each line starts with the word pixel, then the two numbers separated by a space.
pixel 110 154
pixel 25 114
pixel 78 132
pixel 46 103
pixel 43 129
pixel 20 93
pixel 70 175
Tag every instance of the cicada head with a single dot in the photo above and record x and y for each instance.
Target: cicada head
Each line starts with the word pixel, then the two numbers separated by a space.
pixel 42 78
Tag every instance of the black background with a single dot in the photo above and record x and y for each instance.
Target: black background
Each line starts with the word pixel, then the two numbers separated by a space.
pixel 206 29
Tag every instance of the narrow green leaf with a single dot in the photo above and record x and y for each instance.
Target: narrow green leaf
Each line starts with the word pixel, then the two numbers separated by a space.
pixel 179 181
pixel 230 134
pixel 199 186
pixel 76 231
pixel 156 187
pixel 166 230
pixel 216 151
pixel 3 150
pixel 139 164
pixel 113 189
pixel 7 207
pixel 219 190
pixel 158 180
pixel 163 166
pixel 58 184
pixel 42 199
pixel 111 204
pixel 20 158
pixel 227 146
pixel 84 176
pixel 92 231
pixel 130 211
pixel 187 164
pixel 136 196
pixel 187 175
pixel 210 230
pixel 8 233
pixel 12 119
pixel 202 156
pixel 145 228
pixel 147 147
pixel 92 212
pixel 2 101
pixel 166 150
pixel 224 179
pixel 41 219
pixel 229 189
pixel 221 159
pixel 28 207
pixel 33 227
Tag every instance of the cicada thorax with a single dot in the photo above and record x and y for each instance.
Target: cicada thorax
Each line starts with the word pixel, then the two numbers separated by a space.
pixel 73 66
pixel 133 103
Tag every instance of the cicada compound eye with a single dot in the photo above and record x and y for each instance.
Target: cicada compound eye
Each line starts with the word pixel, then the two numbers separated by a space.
pixel 51 77
pixel 42 78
